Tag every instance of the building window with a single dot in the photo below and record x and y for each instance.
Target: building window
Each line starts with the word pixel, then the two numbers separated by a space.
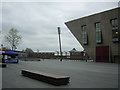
pixel 84 35
pixel 115 33
pixel 115 36
pixel 98 32
pixel 114 23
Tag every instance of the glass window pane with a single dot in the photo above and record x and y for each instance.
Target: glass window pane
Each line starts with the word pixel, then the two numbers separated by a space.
pixel 84 34
pixel 98 32
pixel 114 27
pixel 116 21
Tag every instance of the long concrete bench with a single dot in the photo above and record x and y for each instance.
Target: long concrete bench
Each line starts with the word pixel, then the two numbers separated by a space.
pixel 3 65
pixel 46 77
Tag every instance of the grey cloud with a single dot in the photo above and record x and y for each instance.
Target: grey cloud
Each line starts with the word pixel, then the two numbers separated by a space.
pixel 38 22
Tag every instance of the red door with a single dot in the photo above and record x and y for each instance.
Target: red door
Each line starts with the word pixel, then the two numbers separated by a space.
pixel 102 54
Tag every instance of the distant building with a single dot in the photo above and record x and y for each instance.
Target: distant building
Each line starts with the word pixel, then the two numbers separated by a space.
pixel 4 49
pixel 22 54
pixel 65 54
pixel 99 34
pixel 74 54
pixel 45 55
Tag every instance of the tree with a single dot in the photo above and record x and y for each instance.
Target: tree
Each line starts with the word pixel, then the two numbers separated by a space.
pixel 13 38
pixel 29 52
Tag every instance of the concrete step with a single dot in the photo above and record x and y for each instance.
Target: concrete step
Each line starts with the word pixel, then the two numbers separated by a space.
pixel 46 77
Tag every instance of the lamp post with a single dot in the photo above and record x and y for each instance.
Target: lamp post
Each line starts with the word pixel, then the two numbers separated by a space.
pixel 1 53
pixel 1 47
pixel 60 43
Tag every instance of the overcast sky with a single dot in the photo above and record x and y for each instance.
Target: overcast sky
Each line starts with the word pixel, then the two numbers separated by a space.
pixel 37 22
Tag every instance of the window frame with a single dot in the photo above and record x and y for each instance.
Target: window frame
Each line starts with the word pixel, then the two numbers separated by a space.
pixel 114 27
pixel 98 32
pixel 84 34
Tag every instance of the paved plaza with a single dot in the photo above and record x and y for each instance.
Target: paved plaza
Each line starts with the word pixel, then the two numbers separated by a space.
pixel 82 74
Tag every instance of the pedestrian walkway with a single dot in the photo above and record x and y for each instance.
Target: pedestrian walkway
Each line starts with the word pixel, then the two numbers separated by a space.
pixel 82 74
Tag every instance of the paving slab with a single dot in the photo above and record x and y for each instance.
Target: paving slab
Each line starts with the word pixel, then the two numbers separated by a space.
pixel 82 74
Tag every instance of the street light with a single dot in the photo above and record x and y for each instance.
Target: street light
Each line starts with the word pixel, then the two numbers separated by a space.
pixel 1 47
pixel 1 55
pixel 59 42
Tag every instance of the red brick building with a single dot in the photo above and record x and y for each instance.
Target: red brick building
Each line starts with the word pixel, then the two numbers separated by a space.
pixel 44 54
pixel 74 54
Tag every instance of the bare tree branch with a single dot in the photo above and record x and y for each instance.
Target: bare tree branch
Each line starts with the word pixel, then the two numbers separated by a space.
pixel 13 38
